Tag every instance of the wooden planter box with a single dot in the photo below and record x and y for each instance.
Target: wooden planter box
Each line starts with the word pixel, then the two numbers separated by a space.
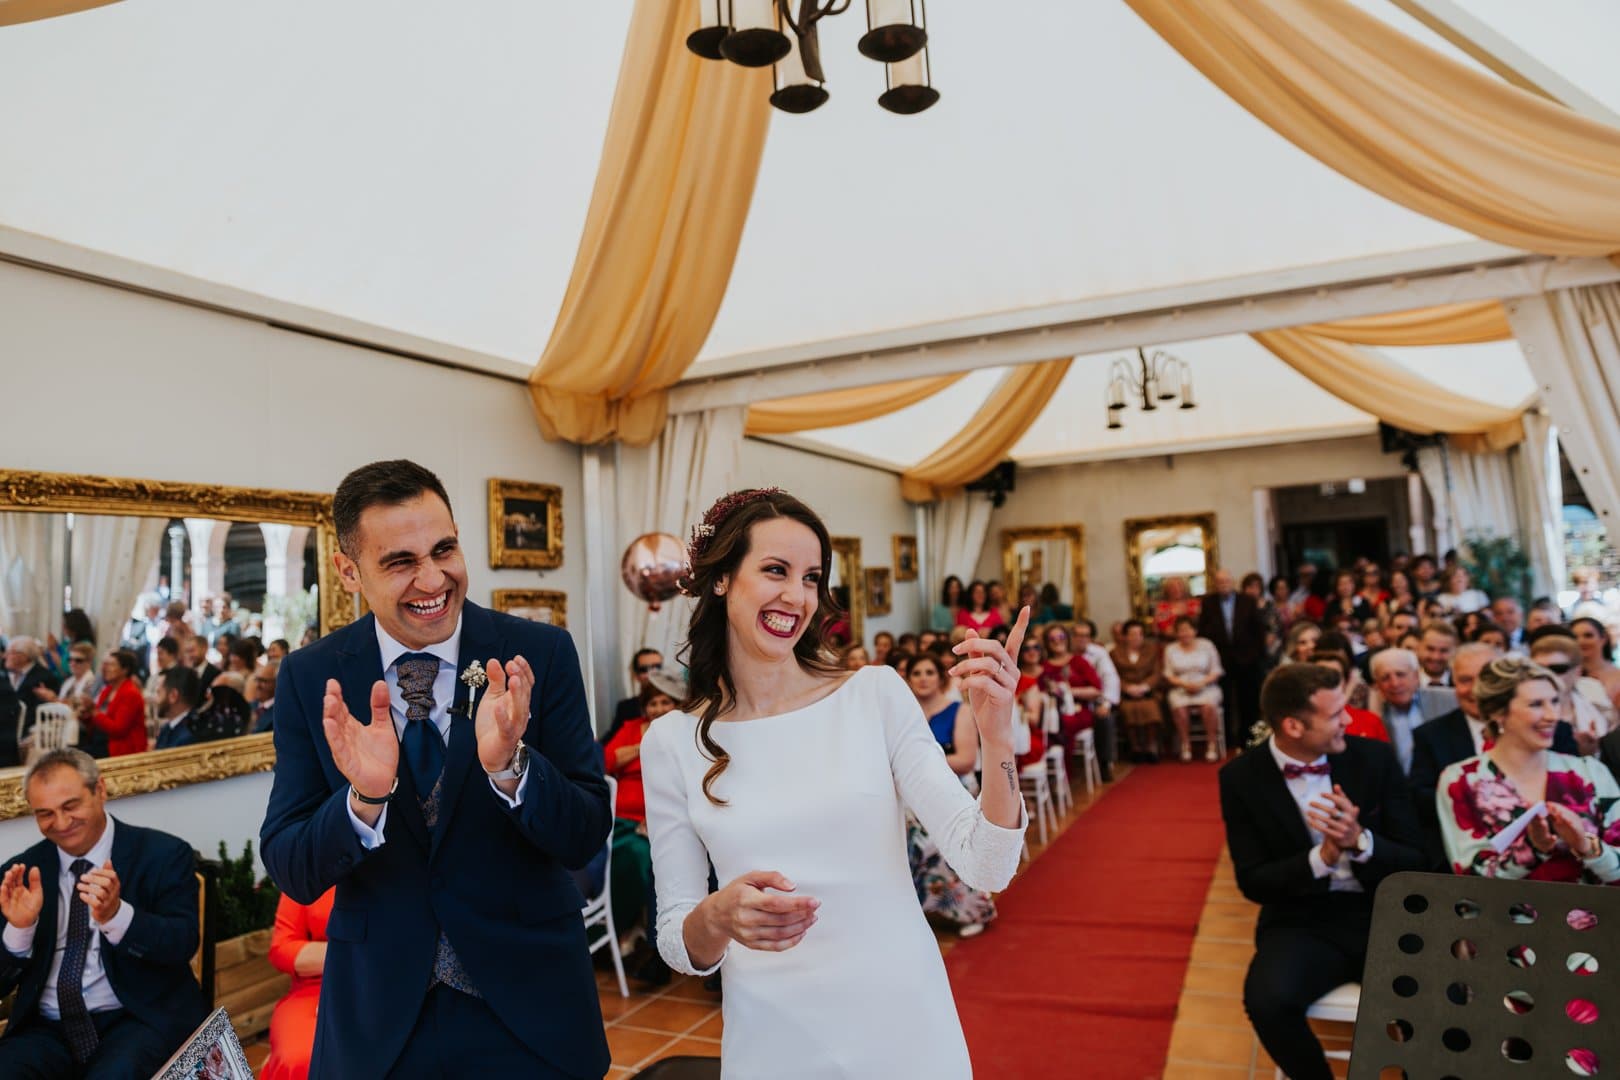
pixel 246 985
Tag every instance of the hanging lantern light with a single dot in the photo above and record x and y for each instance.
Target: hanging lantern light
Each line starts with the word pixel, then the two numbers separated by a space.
pixel 896 30
pixel 756 38
pixel 797 91
pixel 910 85
pixel 714 24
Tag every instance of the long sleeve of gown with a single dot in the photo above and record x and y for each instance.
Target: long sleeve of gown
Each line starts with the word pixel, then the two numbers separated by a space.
pixel 680 862
pixel 983 854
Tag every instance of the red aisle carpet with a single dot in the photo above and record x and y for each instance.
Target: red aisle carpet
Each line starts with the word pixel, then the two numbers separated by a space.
pixel 1080 975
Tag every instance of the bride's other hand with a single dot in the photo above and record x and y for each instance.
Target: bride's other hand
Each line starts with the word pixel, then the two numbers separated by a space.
pixel 755 912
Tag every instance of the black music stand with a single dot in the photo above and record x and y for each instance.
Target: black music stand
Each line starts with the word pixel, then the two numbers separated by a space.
pixel 1473 978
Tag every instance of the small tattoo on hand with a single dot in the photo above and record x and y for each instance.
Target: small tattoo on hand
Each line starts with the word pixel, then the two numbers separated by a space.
pixel 1012 776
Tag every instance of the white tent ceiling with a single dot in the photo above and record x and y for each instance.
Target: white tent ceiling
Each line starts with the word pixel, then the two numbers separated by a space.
pixel 426 170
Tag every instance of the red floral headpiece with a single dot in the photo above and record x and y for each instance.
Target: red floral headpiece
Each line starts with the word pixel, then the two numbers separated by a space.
pixel 704 530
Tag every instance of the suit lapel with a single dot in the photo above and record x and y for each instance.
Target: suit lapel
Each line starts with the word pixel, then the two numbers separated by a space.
pixel 478 642
pixel 360 665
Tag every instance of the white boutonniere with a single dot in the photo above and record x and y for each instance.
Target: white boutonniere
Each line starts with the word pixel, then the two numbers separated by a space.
pixel 475 678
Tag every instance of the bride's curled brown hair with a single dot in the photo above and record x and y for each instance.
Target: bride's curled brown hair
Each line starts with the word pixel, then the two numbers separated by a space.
pixel 719 546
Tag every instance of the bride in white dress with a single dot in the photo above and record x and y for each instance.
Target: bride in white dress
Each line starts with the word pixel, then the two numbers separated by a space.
pixel 793 777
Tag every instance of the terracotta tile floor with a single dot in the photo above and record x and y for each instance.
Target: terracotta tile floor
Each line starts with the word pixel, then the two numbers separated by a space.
pixel 1212 1039
pixel 683 1018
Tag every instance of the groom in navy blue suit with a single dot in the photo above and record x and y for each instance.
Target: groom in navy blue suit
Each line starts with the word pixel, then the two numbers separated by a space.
pixel 435 763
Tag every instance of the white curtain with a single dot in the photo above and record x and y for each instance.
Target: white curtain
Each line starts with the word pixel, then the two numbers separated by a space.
pixel 1541 503
pixel 30 574
pixel 111 556
pixel 666 487
pixel 956 530
pixel 1571 340
pixel 1476 490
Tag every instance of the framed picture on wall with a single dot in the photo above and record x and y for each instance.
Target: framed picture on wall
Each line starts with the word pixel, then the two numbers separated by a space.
pixel 525 525
pixel 536 605
pixel 878 601
pixel 212 1053
pixel 905 558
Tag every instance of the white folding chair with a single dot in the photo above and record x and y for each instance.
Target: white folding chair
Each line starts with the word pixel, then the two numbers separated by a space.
pixel 1198 729
pixel 598 910
pixel 1038 793
pixel 1085 748
pixel 1057 771
pixel 55 726
pixel 1339 1005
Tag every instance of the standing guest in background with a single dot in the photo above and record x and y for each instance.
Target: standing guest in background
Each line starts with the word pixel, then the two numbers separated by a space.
pixel 950 601
pixel 1506 613
pixel 194 654
pixel 642 665
pixel 1076 687
pixel 1315 821
pixel 449 822
pixel 100 928
pixel 1136 657
pixel 1231 621
pixel 120 709
pixel 297 947
pixel 1174 604
pixel 977 613
pixel 1479 797
pixel 1436 647
pixel 882 646
pixel 179 697
pixel 1192 668
pixel 1597 659
pixel 76 630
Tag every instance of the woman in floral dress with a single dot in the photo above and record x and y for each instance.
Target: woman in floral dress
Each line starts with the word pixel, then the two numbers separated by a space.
pixel 1480 797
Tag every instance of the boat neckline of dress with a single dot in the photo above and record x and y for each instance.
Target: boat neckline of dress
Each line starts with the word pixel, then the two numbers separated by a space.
pixel 828 696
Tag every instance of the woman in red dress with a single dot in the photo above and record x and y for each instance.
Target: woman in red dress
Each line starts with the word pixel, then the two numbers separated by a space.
pixel 1072 682
pixel 976 613
pixel 1032 699
pixel 298 947
pixel 120 709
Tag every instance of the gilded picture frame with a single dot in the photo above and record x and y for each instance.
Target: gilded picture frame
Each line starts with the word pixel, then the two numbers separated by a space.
pixel 525 525
pixel 905 558
pixel 1076 537
pixel 56 493
pixel 1137 529
pixel 846 558
pixel 536 605
pixel 879 595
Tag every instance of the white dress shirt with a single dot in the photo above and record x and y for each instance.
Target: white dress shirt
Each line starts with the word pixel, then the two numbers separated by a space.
pixel 1399 723
pixel 1307 789
pixel 444 695
pixel 1476 730
pixel 98 992
pixel 1103 665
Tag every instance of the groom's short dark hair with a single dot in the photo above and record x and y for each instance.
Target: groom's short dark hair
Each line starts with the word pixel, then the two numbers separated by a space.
pixel 385 483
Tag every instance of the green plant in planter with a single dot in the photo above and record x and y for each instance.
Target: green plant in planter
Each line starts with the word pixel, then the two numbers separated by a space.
pixel 245 903
pixel 1498 565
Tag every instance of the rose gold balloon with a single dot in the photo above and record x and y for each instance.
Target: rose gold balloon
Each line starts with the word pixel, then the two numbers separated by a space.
pixel 652 567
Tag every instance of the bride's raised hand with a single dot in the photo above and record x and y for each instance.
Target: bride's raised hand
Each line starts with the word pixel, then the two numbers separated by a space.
pixel 989 679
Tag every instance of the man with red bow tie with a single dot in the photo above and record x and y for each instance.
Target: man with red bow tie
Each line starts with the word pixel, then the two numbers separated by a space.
pixel 1315 819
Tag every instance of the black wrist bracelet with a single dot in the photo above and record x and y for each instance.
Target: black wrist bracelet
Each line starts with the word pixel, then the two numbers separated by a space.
pixel 368 800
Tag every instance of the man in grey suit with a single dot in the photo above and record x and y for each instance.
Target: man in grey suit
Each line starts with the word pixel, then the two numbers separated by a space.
pixel 1401 705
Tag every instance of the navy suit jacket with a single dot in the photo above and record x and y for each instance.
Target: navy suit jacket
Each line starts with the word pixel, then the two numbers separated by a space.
pixel 172 737
pixel 493 878
pixel 1271 846
pixel 150 967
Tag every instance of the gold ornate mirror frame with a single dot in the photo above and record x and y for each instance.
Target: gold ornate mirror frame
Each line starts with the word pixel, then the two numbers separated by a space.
pixel 59 493
pixel 1135 527
pixel 846 553
pixel 1074 534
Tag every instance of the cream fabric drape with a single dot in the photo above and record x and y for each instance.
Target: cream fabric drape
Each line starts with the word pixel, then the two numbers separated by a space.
pixel 677 174
pixel 1390 392
pixel 831 408
pixel 992 432
pixel 666 487
pixel 957 525
pixel 21 11
pixel 1477 490
pixel 1419 128
pixel 1448 324
pixel 30 574
pixel 1571 339
pixel 111 558
pixel 1538 480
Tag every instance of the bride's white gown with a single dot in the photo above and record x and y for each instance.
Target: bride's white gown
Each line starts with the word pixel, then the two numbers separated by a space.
pixel 819 795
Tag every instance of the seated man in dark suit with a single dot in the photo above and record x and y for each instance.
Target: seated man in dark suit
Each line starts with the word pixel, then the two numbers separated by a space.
pixel 1315 819
pixel 646 662
pixel 1457 736
pixel 101 925
pixel 23 674
pixel 182 690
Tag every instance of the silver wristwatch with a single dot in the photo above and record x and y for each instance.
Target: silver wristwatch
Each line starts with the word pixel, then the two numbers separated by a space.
pixel 519 765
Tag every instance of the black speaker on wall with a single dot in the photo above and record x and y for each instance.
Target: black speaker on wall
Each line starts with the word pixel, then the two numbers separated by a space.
pixel 997 482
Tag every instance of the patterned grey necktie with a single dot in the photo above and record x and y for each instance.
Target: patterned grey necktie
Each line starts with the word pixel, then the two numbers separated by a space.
pixel 76 1023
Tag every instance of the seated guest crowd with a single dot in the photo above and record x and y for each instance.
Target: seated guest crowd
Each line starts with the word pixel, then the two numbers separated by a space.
pixel 135 699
